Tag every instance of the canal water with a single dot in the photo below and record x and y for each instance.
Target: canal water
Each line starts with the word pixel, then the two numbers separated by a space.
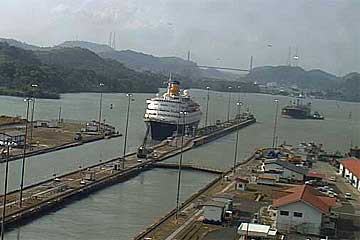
pixel 336 132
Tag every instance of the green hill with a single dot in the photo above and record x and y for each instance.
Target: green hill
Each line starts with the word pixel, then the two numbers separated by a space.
pixel 351 87
pixel 287 75
pixel 67 70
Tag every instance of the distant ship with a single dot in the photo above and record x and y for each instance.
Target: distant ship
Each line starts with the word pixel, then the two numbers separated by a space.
pixel 300 111
pixel 165 115
pixel 297 110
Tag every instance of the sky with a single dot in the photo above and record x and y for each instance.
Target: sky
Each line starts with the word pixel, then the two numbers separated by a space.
pixel 324 33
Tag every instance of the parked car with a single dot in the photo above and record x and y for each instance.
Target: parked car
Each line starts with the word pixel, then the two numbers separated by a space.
pixel 348 195
pixel 333 179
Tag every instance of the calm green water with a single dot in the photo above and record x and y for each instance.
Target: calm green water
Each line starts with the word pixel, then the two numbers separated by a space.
pixel 150 195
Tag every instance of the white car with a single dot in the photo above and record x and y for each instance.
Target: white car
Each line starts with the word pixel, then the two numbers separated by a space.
pixel 348 195
pixel 333 179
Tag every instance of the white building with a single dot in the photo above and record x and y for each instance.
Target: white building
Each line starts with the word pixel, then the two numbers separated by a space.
pixel 241 183
pixel 302 209
pixel 285 170
pixel 252 230
pixel 350 169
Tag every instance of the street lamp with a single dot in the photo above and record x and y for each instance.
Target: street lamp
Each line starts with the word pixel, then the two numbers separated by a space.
pixel 100 105
pixel 180 165
pixel 239 87
pixel 228 112
pixel 207 105
pixel 27 100
pixel 276 101
pixel 33 86
pixel 238 104
pixel 129 95
pixel 5 188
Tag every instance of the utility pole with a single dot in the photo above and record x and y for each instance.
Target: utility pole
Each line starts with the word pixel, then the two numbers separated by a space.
pixel 228 112
pixel 207 106
pixel 59 117
pixel 28 100
pixel 180 166
pixel 5 189
pixel 238 104
pixel 100 105
pixel 33 86
pixel 129 95
pixel 276 101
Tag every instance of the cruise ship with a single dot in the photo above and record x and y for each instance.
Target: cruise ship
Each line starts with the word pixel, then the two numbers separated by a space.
pixel 172 114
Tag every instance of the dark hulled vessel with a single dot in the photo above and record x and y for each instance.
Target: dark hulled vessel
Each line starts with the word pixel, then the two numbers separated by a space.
pixel 297 110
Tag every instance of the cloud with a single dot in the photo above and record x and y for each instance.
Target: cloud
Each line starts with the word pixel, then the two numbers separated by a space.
pixel 325 32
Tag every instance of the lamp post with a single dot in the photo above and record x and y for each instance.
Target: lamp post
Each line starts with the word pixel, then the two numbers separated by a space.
pixel 27 100
pixel 33 86
pixel 239 88
pixel 207 105
pixel 238 104
pixel 180 165
pixel 100 105
pixel 129 95
pixel 5 189
pixel 276 101
pixel 228 112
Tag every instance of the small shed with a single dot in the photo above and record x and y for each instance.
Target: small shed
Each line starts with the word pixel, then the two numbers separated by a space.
pixel 46 123
pixel 213 212
pixel 17 138
pixel 266 179
pixel 241 183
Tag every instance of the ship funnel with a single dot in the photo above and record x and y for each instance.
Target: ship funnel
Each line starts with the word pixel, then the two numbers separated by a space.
pixel 173 87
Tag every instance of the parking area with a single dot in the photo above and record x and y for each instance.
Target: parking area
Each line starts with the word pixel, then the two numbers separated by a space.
pixel 348 208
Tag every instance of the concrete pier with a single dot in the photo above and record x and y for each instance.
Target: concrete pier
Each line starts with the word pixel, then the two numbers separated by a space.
pixel 40 198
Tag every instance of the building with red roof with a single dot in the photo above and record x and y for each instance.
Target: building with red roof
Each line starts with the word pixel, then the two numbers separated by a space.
pixel 302 209
pixel 349 168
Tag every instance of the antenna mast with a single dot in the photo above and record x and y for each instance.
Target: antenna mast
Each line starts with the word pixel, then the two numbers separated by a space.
pixel 114 41
pixel 110 39
pixel 289 57
pixel 251 64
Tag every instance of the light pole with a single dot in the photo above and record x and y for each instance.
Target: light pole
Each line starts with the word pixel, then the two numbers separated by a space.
pixel 5 189
pixel 228 112
pixel 276 101
pixel 129 95
pixel 239 89
pixel 27 100
pixel 180 165
pixel 238 104
pixel 100 105
pixel 207 105
pixel 33 86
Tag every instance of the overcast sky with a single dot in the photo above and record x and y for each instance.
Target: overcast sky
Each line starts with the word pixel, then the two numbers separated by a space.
pixel 223 32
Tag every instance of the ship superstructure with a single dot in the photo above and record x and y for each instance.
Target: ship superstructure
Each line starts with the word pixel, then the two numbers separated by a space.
pixel 173 113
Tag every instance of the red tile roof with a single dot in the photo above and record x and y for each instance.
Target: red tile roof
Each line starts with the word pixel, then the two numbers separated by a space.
pixel 307 194
pixel 240 179
pixel 353 165
pixel 314 174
